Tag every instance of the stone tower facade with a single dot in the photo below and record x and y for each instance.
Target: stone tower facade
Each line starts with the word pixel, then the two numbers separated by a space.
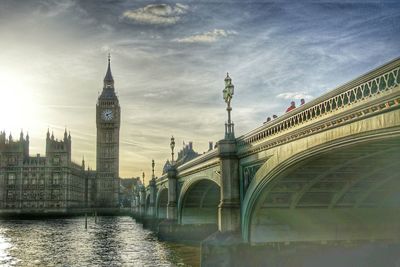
pixel 108 120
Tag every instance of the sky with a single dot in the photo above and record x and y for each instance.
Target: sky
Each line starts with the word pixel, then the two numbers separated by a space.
pixel 169 60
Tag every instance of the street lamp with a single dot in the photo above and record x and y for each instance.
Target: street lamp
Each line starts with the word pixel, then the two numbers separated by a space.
pixel 172 145
pixel 152 167
pixel 227 95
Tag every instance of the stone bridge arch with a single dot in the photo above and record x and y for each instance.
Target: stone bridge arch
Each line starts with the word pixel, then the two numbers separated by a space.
pixel 198 201
pixel 162 202
pixel 329 189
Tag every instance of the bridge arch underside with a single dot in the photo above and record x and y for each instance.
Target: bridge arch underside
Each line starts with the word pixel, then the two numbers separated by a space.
pixel 200 203
pixel 162 202
pixel 350 193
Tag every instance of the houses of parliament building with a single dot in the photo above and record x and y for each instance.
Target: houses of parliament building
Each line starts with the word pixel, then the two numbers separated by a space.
pixel 54 183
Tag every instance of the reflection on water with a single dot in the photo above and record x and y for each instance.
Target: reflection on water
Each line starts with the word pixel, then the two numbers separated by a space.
pixel 113 241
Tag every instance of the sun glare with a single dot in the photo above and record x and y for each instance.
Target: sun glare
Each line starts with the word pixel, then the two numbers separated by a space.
pixel 17 102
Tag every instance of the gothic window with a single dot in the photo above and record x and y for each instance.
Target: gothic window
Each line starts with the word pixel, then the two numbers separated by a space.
pixel 55 195
pixel 11 179
pixel 56 160
pixel 10 195
pixel 56 179
pixel 11 160
pixel 33 181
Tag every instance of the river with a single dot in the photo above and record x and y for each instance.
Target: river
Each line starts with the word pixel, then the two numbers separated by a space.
pixel 112 241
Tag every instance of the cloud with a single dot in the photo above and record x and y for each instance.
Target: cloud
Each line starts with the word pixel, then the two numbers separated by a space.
pixel 206 37
pixel 159 14
pixel 294 95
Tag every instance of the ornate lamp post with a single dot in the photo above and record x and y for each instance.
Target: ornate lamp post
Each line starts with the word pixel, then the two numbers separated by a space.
pixel 152 187
pixel 172 145
pixel 227 95
pixel 152 169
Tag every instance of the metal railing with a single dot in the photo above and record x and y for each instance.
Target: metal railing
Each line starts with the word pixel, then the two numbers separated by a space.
pixel 365 87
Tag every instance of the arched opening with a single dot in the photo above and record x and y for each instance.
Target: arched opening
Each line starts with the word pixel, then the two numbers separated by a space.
pixel 162 202
pixel 200 203
pixel 346 193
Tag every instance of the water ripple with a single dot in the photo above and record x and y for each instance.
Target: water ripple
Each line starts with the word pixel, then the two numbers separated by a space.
pixel 112 241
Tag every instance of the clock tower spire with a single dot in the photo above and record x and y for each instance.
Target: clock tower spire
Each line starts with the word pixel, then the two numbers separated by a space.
pixel 108 119
pixel 108 79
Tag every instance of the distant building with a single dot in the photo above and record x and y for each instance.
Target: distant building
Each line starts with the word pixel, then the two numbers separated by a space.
pixel 37 183
pixel 127 187
pixel 108 120
pixel 53 182
pixel 186 154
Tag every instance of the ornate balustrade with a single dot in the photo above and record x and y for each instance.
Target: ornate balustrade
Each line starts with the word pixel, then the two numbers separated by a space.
pixel 374 84
pixel 196 162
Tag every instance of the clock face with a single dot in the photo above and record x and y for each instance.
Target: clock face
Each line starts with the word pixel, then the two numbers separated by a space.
pixel 107 115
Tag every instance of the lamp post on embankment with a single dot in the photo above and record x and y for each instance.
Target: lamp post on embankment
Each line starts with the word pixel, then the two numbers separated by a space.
pixel 143 198
pixel 220 248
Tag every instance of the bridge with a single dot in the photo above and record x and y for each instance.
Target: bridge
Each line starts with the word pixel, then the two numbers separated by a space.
pixel 326 172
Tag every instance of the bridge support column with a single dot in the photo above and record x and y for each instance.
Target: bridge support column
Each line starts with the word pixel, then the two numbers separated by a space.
pixel 172 213
pixel 142 201
pixel 224 248
pixel 137 204
pixel 152 210
pixel 229 207
pixel 149 219
pixel 169 228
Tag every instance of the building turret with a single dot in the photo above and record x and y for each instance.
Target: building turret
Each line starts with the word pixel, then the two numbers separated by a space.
pixel 58 152
pixel 108 79
pixel 2 137
pixel 21 136
pixel 10 138
pixel 26 148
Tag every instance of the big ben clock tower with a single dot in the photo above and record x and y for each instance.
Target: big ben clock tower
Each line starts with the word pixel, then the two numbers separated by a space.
pixel 108 118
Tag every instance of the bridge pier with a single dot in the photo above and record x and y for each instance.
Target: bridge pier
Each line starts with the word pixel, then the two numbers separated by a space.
pixel 172 214
pixel 137 205
pixel 169 229
pixel 229 207
pixel 142 197
pixel 151 210
pixel 224 247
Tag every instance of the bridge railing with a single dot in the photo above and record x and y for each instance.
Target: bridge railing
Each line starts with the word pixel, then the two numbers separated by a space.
pixel 194 162
pixel 361 89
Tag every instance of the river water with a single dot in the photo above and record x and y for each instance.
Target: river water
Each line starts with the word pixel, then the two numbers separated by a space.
pixel 112 241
